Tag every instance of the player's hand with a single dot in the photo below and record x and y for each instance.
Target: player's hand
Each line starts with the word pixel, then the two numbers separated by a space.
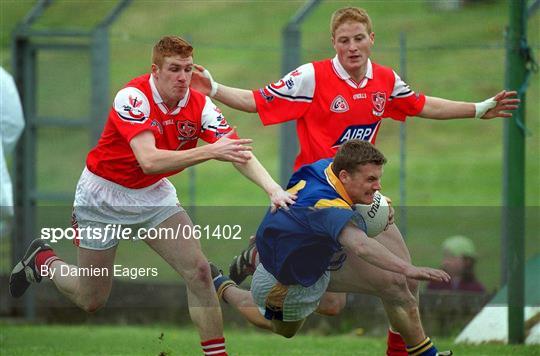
pixel 202 81
pixel 427 274
pixel 228 149
pixel 504 101
pixel 391 212
pixel 280 198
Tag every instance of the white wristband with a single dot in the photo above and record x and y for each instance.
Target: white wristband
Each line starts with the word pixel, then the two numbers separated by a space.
pixel 213 83
pixel 214 90
pixel 483 107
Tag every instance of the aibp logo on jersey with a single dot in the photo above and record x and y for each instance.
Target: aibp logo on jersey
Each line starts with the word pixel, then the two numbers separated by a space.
pixel 360 132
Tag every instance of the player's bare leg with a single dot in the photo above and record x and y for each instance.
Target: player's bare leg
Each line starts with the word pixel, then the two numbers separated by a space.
pixel 185 256
pixel 393 240
pixel 287 328
pixel 242 301
pixel 332 303
pixel 90 293
pixel 88 285
pixel 359 276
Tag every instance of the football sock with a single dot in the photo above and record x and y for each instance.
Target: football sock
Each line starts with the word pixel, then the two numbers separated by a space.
pixel 45 258
pixel 395 345
pixel 214 347
pixel 425 348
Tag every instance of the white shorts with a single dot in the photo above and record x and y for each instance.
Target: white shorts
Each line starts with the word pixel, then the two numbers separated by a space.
pixel 286 303
pixel 100 203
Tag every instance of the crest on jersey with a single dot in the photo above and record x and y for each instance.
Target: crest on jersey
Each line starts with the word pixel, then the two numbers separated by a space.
pixel 133 111
pixel 339 104
pixel 186 130
pixel 379 100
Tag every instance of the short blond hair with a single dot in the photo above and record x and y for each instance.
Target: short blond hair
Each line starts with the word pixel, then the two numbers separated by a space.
pixel 169 46
pixel 355 14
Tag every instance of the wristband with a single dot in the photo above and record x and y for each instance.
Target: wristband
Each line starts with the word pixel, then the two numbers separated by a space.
pixel 483 107
pixel 213 83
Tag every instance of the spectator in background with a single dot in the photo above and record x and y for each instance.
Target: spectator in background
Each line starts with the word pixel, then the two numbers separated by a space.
pixel 459 258
pixel 11 127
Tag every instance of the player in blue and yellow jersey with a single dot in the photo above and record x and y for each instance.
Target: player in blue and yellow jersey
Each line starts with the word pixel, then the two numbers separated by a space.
pixel 320 244
pixel 337 99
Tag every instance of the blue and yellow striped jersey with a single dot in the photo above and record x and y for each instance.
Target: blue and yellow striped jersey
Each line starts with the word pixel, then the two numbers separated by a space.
pixel 297 245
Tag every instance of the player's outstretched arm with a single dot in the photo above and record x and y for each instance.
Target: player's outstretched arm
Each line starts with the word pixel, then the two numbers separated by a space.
pixel 154 160
pixel 497 106
pixel 239 99
pixel 255 172
pixel 356 241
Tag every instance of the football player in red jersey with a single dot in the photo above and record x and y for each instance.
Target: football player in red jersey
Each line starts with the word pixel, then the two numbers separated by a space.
pixel 151 133
pixel 339 99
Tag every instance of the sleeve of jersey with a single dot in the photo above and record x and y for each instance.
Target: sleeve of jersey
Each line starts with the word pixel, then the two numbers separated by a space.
pixel 330 221
pixel 132 111
pixel 287 99
pixel 213 123
pixel 404 101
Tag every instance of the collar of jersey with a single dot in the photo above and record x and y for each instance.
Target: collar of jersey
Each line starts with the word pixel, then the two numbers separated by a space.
pixel 334 181
pixel 158 100
pixel 342 73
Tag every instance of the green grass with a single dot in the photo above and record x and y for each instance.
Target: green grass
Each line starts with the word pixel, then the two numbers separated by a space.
pixel 168 340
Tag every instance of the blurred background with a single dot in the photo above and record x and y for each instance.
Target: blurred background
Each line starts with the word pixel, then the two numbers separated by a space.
pixel 452 49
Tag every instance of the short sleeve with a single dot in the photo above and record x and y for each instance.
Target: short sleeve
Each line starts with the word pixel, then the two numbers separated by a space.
pixel 131 113
pixel 329 221
pixel 287 99
pixel 404 101
pixel 213 123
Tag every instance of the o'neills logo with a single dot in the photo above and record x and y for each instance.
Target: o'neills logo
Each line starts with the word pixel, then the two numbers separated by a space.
pixel 379 100
pixel 375 206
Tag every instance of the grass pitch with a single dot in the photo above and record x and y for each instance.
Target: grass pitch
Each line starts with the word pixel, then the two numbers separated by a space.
pixel 168 340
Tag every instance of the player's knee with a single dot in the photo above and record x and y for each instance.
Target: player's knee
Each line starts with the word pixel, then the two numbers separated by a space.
pixel 93 304
pixel 199 273
pixel 331 306
pixel 287 328
pixel 413 285
pixel 396 290
pixel 286 332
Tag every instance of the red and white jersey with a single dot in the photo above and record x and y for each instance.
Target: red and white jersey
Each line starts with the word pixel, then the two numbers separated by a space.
pixel 330 108
pixel 138 107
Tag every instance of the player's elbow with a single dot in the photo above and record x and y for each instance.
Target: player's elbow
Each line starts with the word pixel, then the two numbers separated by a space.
pixel 148 165
pixel 360 248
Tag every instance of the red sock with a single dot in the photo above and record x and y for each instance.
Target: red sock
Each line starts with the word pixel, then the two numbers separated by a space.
pixel 45 258
pixel 215 347
pixel 395 344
